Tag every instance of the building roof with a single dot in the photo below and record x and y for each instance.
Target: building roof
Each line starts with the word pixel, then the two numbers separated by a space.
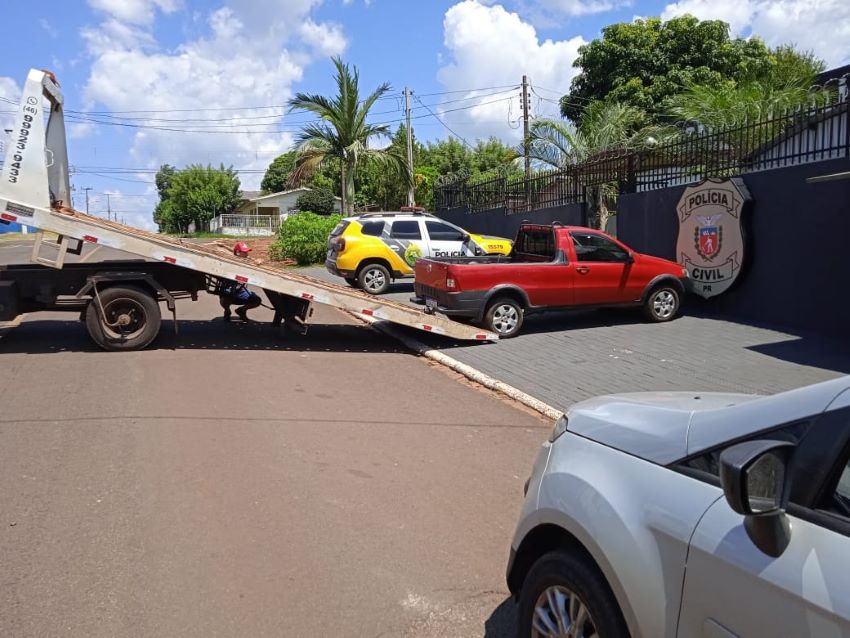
pixel 249 195
pixel 259 196
pixel 831 75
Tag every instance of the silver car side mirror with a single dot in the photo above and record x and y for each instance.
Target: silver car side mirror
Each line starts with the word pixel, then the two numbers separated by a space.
pixel 755 483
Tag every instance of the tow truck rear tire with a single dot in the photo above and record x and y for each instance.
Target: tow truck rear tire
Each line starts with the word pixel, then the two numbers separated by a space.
pixel 134 314
pixel 504 316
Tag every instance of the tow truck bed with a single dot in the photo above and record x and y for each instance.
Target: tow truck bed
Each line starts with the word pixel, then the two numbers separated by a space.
pixel 34 190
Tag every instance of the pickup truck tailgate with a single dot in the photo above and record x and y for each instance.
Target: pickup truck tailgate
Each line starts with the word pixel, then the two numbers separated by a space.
pixel 430 277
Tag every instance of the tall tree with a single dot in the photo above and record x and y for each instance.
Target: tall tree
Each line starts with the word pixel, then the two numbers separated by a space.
pixel 730 105
pixel 277 176
pixel 163 179
pixel 642 63
pixel 605 126
pixel 196 194
pixel 343 132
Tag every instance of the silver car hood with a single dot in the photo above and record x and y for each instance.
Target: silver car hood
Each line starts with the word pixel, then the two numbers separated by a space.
pixel 663 427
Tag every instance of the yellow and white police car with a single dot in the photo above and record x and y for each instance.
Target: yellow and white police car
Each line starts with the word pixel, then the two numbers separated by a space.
pixel 372 249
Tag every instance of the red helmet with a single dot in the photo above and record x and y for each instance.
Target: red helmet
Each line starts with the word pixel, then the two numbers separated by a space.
pixel 241 249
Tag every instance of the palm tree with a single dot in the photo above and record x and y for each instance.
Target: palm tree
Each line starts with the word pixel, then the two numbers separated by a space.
pixel 785 87
pixel 343 132
pixel 730 105
pixel 605 127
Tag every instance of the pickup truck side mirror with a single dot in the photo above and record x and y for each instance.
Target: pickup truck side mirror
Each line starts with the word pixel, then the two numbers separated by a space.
pixel 630 258
pixel 754 479
pixel 465 238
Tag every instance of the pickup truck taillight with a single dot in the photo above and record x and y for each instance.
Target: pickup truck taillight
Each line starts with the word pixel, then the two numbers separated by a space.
pixel 450 282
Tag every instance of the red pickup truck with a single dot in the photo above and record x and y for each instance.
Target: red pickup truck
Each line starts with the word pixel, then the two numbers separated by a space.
pixel 550 267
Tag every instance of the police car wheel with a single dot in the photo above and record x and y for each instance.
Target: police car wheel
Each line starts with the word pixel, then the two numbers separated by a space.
pixel 352 281
pixel 374 279
pixel 662 304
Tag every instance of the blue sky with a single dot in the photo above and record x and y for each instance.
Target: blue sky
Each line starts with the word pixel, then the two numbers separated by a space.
pixel 234 59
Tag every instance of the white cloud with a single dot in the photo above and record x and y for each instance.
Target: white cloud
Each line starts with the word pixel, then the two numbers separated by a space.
pixel 48 28
pixel 581 7
pixel 251 55
pixel 134 11
pixel 326 39
pixel 491 47
pixel 822 26
pixel 738 13
pixel 550 13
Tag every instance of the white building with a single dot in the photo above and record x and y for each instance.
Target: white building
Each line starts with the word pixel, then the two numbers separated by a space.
pixel 258 215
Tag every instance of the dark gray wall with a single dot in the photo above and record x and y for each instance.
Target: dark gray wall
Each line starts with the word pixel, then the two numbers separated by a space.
pixel 798 234
pixel 498 222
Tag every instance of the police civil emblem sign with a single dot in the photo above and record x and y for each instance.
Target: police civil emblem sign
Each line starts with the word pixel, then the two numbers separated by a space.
pixel 711 240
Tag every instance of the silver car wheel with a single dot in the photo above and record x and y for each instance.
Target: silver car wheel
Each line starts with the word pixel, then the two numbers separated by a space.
pixel 664 304
pixel 560 613
pixel 505 318
pixel 374 280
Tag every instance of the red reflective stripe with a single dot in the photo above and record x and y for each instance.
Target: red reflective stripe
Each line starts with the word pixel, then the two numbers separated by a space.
pixel 368 312
pixel 305 295
pixel 481 337
pixel 90 238
pixel 170 260
pixel 7 217
pixel 427 327
pixel 241 279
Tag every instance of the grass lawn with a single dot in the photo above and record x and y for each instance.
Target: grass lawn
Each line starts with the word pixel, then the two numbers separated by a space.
pixel 23 237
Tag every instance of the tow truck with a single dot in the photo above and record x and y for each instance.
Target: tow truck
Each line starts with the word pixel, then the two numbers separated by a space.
pixel 120 300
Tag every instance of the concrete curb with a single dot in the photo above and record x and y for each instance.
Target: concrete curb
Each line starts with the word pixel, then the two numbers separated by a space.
pixel 468 371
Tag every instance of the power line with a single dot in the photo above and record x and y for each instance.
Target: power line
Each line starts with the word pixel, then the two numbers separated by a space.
pixel 448 128
pixel 267 132
pixel 391 96
pixel 197 125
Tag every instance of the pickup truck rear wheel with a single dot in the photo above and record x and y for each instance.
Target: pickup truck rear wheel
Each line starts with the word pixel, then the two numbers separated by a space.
pixel 662 304
pixel 374 279
pixel 504 317
pixel 123 318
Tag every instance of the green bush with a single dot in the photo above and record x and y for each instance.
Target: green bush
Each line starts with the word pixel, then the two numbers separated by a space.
pixel 319 200
pixel 304 237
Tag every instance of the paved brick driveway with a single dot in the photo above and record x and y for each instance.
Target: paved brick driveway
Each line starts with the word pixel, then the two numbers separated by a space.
pixel 564 357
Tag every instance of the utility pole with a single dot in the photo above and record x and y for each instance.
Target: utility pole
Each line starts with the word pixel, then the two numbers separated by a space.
pixel 410 187
pixel 525 144
pixel 525 126
pixel 87 189
pixel 108 208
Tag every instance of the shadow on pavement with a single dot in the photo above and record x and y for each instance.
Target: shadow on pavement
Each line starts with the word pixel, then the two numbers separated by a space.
pixel 502 622
pixel 546 322
pixel 809 351
pixel 48 336
pixel 829 352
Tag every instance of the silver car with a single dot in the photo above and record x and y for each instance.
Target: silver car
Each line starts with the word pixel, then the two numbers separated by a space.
pixel 682 514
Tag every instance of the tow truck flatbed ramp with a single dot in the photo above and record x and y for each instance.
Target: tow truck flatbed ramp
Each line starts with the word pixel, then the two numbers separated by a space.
pixel 35 190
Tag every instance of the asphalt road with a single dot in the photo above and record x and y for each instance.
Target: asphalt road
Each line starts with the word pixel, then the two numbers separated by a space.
pixel 230 481
pixel 16 251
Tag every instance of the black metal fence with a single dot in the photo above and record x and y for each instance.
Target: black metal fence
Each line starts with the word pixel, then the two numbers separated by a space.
pixel 813 133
